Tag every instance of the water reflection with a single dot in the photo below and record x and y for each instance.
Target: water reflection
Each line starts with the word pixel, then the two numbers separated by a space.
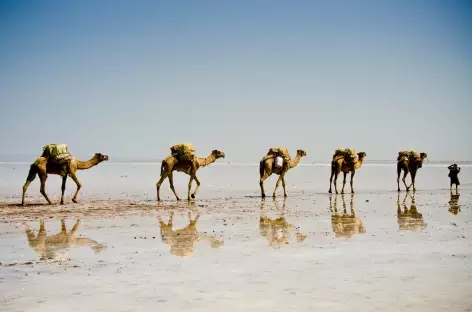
pixel 277 231
pixel 345 225
pixel 454 206
pixel 182 241
pixel 56 247
pixel 409 219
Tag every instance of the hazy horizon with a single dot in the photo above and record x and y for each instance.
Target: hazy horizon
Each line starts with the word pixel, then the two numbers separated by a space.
pixel 131 79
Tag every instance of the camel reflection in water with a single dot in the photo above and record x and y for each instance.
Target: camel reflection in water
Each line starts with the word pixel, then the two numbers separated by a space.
pixel 56 247
pixel 182 241
pixel 409 219
pixel 454 206
pixel 277 231
pixel 345 225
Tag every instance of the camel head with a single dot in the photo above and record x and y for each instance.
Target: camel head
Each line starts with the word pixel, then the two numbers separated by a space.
pixel 218 154
pixel 361 155
pixel 302 153
pixel 100 157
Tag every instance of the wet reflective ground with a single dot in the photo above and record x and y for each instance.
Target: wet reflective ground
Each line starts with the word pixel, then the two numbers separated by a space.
pixel 375 251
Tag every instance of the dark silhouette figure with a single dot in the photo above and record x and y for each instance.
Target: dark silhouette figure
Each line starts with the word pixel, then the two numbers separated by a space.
pixel 454 175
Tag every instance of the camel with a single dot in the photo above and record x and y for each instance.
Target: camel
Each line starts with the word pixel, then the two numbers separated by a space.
pixel 339 165
pixel 170 164
pixel 267 168
pixel 277 231
pixel 454 206
pixel 56 247
pixel 182 241
pixel 409 219
pixel 345 225
pixel 409 166
pixel 42 168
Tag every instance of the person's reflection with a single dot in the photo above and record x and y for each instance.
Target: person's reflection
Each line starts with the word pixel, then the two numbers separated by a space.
pixel 345 225
pixel 409 219
pixel 56 247
pixel 454 206
pixel 182 241
pixel 277 231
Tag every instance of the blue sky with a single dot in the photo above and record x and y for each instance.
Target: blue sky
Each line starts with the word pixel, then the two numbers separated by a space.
pixel 131 78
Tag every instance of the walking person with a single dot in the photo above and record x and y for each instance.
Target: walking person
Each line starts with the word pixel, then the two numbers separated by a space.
pixel 454 175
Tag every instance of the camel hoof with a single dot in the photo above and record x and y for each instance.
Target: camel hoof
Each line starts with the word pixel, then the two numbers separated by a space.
pixel 263 195
pixel 330 191
pixel 285 195
pixel 193 196
pixel 61 203
pixel 74 200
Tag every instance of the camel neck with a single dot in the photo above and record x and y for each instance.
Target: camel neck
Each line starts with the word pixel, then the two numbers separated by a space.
pixel 295 161
pixel 205 161
pixel 359 163
pixel 82 165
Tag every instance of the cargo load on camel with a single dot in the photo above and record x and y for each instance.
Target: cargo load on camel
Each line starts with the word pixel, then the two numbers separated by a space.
pixel 183 152
pixel 348 154
pixel 281 155
pixel 57 154
pixel 409 155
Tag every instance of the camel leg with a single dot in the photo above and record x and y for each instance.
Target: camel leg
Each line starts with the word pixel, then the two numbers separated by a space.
pixel 352 181
pixel 75 227
pixel 63 188
pixel 196 189
pixel 189 187
pixel 335 182
pixel 404 180
pixel 277 185
pixel 79 186
pixel 413 176
pixel 42 230
pixel 331 180
pixel 171 182
pixel 63 226
pixel 29 179
pixel 344 182
pixel 29 233
pixel 283 185
pixel 261 183
pixel 399 171
pixel 158 185
pixel 42 189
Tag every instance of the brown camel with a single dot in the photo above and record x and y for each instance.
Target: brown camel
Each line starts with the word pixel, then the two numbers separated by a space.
pixel 41 167
pixel 339 165
pixel 170 164
pixel 345 225
pixel 454 206
pixel 56 246
pixel 277 231
pixel 409 219
pixel 182 241
pixel 410 166
pixel 267 168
